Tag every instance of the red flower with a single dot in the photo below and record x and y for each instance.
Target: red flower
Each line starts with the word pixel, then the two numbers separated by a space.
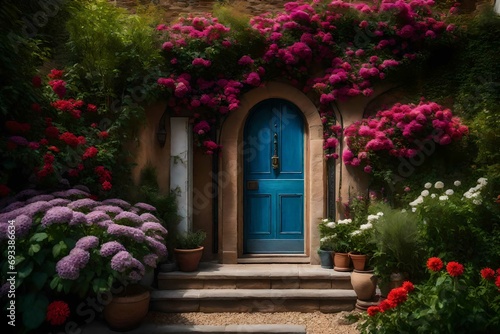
pixel 498 271
pixel 487 273
pixel 90 153
pixel 94 197
pixel 398 295
pixel 497 282
pixel 434 264
pixel 36 81
pixel 373 310
pixel 76 113
pixel 408 286
pixel 73 172
pixel 45 171
pixel 53 149
pixel 93 125
pixel 69 139
pixel 48 158
pixel 103 134
pixel 81 140
pixel 44 141
pixel 454 269
pixel 52 132
pixel 4 190
pixel 91 108
pixel 55 74
pixel 106 185
pixel 386 304
pixel 59 87
pixel 57 312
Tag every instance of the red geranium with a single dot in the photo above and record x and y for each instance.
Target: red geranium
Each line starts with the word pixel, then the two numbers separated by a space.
pixel 53 149
pixel 48 158
pixel 90 153
pixel 44 141
pixel 103 134
pixel 55 74
pixel 59 87
pixel 398 295
pixel 70 139
pixel 408 286
pixel 454 269
pixel 386 304
pixel 106 185
pixel 91 108
pixel 57 312
pixel 487 273
pixel 434 264
pixel 497 282
pixel 373 310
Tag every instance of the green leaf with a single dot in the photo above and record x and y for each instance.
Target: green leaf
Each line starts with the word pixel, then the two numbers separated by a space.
pixel 37 237
pixel 55 282
pixel 440 280
pixel 26 270
pixel 58 248
pixel 34 248
pixel 33 310
pixel 39 279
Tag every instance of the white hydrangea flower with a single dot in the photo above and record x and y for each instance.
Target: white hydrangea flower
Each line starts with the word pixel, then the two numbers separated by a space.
pixel 449 192
pixel 424 193
pixel 443 198
pixel 482 181
pixel 413 209
pixel 372 217
pixel 344 221
pixel 457 183
pixel 380 214
pixel 403 210
pixel 366 226
pixel 353 233
pixel 477 201
pixel 331 224
pixel 433 195
pixel 418 201
pixel 428 185
pixel 325 220
pixel 322 239
pixel 439 185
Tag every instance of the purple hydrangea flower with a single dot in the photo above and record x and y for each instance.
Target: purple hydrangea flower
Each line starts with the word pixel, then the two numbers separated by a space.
pixel 79 257
pixel 138 265
pixel 57 215
pixel 109 209
pixel 126 231
pixel 87 242
pixel 3 230
pixel 67 269
pixel 23 225
pixel 79 218
pixel 150 260
pixel 116 201
pixel 110 248
pixel 82 188
pixel 37 207
pixel 96 216
pixel 71 193
pixel 44 197
pixel 153 228
pixel 134 276
pixel 159 248
pixel 121 261
pixel 13 206
pixel 148 217
pixel 128 218
pixel 83 204
pixel 104 223
pixel 4 289
pixel 18 140
pixel 59 202
pixel 27 193
pixel 144 206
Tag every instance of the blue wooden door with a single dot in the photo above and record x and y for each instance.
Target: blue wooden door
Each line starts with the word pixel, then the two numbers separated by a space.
pixel 274 179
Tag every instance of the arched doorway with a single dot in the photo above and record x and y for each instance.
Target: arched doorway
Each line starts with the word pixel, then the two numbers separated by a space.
pixel 232 179
pixel 273 155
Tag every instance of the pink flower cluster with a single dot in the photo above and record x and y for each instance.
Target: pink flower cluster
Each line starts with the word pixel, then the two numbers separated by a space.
pixel 400 131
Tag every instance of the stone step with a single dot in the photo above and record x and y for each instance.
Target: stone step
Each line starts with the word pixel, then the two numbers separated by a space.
pixel 253 300
pixel 255 276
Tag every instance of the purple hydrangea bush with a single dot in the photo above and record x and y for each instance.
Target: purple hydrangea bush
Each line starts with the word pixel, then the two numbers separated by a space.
pixel 68 242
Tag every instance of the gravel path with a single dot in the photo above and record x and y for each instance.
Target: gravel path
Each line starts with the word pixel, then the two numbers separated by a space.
pixel 315 322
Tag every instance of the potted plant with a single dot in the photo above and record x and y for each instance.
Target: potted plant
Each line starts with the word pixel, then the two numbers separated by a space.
pixel 338 236
pixel 398 252
pixel 326 245
pixel 362 244
pixel 188 250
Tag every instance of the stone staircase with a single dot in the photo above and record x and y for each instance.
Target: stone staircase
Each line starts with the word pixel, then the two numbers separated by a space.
pixel 254 288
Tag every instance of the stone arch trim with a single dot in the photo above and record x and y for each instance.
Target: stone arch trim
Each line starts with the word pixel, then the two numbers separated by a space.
pixel 231 171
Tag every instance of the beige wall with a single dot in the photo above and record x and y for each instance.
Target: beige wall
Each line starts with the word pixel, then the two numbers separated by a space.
pixel 147 151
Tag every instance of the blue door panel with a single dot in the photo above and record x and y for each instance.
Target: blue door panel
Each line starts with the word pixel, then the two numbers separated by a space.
pixel 274 197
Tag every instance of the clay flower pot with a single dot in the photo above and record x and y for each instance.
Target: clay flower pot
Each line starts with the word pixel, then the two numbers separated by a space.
pixel 127 309
pixel 188 259
pixel 358 261
pixel 341 261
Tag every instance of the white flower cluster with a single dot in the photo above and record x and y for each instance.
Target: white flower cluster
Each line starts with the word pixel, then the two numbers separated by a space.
pixel 475 192
pixel 368 225
pixel 344 221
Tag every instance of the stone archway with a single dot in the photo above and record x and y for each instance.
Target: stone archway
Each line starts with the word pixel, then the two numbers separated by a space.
pixel 231 171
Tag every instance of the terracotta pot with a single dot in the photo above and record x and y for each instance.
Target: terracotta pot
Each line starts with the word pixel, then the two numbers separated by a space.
pixel 364 284
pixel 127 309
pixel 341 262
pixel 358 261
pixel 188 259
pixel 326 259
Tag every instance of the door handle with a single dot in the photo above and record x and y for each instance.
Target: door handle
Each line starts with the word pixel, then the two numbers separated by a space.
pixel 275 158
